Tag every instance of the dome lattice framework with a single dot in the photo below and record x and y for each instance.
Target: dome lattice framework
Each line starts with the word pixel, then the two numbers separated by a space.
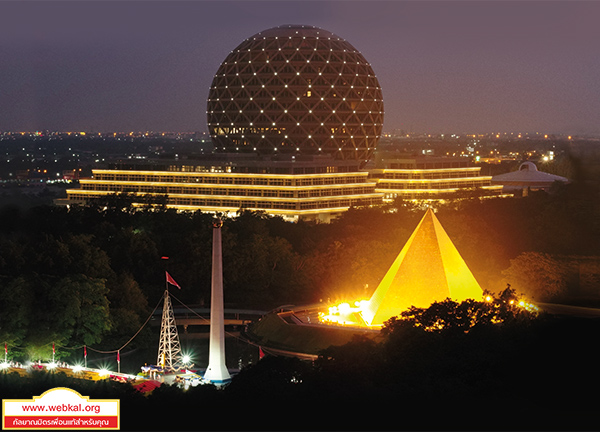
pixel 299 90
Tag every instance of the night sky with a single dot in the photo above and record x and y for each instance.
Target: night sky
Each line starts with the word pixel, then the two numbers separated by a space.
pixel 454 67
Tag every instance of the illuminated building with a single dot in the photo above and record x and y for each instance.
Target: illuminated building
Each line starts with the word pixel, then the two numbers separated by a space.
pixel 303 187
pixel 298 90
pixel 527 177
pixel 430 178
pixel 294 189
pixel 296 111
pixel 295 114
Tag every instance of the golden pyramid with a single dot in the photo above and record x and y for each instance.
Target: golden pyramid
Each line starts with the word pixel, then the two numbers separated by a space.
pixel 428 269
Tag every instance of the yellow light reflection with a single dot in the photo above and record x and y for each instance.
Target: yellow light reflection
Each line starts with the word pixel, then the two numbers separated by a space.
pixel 345 314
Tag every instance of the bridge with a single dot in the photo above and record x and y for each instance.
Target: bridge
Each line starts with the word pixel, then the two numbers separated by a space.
pixel 200 316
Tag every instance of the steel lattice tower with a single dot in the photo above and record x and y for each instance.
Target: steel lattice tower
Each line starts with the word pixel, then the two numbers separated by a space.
pixel 169 349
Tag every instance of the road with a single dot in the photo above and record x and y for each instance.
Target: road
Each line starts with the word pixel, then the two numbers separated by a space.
pixel 575 311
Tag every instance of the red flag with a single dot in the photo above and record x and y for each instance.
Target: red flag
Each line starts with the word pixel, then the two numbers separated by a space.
pixel 53 350
pixel 118 356
pixel 171 280
pixel 84 351
pixel 261 353
pixel 5 348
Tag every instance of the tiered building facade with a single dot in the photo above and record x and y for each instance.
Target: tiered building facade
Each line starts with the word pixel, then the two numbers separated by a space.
pixel 317 190
pixel 430 179
pixel 294 190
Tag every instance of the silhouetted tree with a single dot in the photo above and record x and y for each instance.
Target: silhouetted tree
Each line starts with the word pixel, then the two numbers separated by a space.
pixel 538 275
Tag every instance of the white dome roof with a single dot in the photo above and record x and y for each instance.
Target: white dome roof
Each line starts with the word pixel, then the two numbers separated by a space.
pixel 528 175
pixel 527 166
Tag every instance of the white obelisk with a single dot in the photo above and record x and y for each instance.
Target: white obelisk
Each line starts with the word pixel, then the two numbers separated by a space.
pixel 217 372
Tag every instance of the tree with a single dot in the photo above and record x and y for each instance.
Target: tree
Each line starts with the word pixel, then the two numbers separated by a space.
pixel 128 309
pixel 16 304
pixel 80 309
pixel 259 270
pixel 538 275
pixel 449 316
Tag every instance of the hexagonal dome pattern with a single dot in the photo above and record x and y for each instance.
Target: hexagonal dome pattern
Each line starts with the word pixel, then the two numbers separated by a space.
pixel 298 90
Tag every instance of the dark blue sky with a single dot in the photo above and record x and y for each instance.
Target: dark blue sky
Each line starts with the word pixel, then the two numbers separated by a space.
pixel 481 66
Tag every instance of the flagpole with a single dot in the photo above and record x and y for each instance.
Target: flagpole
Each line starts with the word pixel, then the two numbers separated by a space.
pixel 165 258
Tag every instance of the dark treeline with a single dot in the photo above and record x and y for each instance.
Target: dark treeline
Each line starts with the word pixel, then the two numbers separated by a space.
pixel 91 275
pixel 523 373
